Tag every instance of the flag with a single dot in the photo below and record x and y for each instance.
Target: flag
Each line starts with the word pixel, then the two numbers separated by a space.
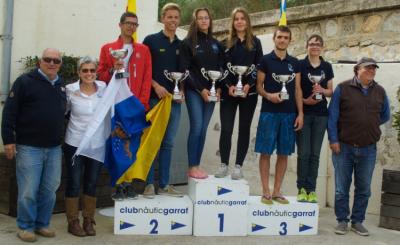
pixel 282 21
pixel 131 7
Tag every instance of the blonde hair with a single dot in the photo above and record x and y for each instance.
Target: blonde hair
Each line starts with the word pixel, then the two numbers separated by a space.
pixel 232 37
pixel 170 6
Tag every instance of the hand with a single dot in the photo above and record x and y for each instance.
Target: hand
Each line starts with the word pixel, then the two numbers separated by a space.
pixel 161 91
pixel 204 94
pixel 335 147
pixel 318 89
pixel 183 98
pixel 298 123
pixel 232 91
pixel 119 64
pixel 274 98
pixel 10 151
pixel 310 100
pixel 246 90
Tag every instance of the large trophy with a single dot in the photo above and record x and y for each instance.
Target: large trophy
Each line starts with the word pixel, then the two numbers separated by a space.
pixel 283 79
pixel 176 78
pixel 240 71
pixel 214 76
pixel 316 80
pixel 120 54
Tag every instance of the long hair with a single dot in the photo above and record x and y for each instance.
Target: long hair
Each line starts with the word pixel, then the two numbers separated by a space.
pixel 193 28
pixel 232 38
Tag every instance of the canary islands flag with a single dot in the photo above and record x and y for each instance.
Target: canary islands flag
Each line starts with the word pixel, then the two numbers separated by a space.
pixel 282 21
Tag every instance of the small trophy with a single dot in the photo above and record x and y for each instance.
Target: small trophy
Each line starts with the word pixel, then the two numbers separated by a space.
pixel 240 71
pixel 316 80
pixel 284 79
pixel 214 76
pixel 176 78
pixel 120 54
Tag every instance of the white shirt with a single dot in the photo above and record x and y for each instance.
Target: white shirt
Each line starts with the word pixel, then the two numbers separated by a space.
pixel 82 108
pixel 129 47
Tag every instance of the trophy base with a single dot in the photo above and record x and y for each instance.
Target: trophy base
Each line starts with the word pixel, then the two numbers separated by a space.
pixel 318 97
pixel 212 98
pixel 177 97
pixel 284 96
pixel 121 75
pixel 239 93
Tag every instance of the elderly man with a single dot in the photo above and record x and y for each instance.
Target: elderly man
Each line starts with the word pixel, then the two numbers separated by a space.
pixel 358 107
pixel 32 130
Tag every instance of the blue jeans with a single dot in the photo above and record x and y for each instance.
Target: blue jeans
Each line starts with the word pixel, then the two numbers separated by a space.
pixel 361 160
pixel 165 152
pixel 88 166
pixel 200 113
pixel 38 172
pixel 309 141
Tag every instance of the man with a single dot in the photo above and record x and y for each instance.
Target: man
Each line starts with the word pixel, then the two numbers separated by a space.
pixel 279 118
pixel 32 131
pixel 358 107
pixel 164 48
pixel 138 64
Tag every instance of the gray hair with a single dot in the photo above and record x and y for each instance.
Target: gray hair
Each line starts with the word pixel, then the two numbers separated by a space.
pixel 86 60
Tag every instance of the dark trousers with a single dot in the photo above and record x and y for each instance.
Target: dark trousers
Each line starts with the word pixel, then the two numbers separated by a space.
pixel 90 169
pixel 228 108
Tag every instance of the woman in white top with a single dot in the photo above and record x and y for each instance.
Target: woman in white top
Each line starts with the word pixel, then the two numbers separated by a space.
pixel 82 98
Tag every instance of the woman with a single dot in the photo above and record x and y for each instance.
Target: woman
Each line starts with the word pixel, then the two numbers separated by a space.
pixel 309 139
pixel 82 98
pixel 243 49
pixel 199 50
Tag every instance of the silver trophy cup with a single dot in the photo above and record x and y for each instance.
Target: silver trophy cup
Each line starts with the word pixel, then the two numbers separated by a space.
pixel 283 79
pixel 215 76
pixel 120 54
pixel 176 78
pixel 316 80
pixel 240 71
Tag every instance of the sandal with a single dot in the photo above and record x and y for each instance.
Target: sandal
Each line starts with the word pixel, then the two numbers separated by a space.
pixel 267 199
pixel 280 199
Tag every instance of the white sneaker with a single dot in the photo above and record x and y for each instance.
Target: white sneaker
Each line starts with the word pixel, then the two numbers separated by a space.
pixel 222 171
pixel 170 190
pixel 149 191
pixel 237 173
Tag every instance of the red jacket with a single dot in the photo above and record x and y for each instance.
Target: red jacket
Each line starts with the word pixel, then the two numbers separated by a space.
pixel 139 68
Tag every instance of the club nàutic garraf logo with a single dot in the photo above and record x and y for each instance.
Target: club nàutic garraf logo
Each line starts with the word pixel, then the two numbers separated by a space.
pixel 155 210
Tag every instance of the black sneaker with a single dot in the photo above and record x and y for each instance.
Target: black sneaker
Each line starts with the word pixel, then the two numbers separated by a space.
pixel 119 194
pixel 130 192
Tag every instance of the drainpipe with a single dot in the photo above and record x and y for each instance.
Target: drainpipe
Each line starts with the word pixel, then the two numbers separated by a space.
pixel 6 37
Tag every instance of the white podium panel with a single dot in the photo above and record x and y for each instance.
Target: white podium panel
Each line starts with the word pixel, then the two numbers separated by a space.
pixel 162 215
pixel 295 218
pixel 220 206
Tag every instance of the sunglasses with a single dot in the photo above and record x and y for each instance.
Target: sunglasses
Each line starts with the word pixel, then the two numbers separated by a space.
pixel 88 70
pixel 49 60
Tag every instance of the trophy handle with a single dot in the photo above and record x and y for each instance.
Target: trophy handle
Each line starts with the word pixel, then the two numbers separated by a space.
pixel 166 73
pixel 230 68
pixel 251 69
pixel 185 75
pixel 204 73
pixel 309 77
pixel 322 75
pixel 226 72
pixel 291 77
pixel 275 77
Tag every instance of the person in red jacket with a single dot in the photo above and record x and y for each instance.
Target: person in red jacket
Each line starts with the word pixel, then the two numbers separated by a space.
pixel 137 62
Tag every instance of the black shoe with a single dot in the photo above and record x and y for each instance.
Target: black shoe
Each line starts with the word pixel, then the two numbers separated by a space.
pixel 119 194
pixel 130 193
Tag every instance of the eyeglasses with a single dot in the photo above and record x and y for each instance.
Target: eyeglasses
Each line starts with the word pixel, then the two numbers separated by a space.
pixel 203 18
pixel 133 24
pixel 88 70
pixel 49 60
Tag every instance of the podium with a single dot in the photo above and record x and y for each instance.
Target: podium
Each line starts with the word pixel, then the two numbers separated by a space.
pixel 162 215
pixel 220 206
pixel 295 218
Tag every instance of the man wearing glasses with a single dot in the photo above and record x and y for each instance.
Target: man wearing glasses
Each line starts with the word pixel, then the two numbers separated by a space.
pixel 32 130
pixel 357 108
pixel 138 64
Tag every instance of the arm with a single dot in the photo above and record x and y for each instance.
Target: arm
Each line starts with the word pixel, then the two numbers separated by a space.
pixel 144 95
pixel 385 113
pixel 273 97
pixel 299 103
pixel 105 68
pixel 334 110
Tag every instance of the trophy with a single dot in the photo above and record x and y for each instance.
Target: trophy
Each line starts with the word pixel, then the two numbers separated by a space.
pixel 316 80
pixel 176 78
pixel 120 54
pixel 240 71
pixel 214 76
pixel 284 79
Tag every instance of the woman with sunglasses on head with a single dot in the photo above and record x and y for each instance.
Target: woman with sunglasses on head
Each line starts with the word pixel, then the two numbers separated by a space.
pixel 199 50
pixel 82 98
pixel 242 49
pixel 316 83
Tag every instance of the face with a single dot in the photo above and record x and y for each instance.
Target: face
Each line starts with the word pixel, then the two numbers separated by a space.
pixel 203 21
pixel 87 73
pixel 367 73
pixel 239 22
pixel 314 47
pixel 171 20
pixel 282 40
pixel 50 63
pixel 129 26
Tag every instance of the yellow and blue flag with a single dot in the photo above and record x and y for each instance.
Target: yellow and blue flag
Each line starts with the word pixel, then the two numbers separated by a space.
pixel 283 21
pixel 131 7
